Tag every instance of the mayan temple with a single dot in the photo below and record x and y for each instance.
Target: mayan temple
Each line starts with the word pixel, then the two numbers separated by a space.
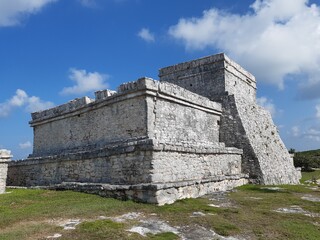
pixel 196 130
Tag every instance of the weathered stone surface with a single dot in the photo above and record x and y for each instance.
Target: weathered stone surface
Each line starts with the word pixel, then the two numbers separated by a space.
pixel 141 110
pixel 198 130
pixel 157 193
pixel 5 157
pixel 140 163
pixel 244 124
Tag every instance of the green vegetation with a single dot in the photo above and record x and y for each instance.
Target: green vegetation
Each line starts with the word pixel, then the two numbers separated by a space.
pixel 307 160
pixel 250 213
pixel 310 176
pixel 99 229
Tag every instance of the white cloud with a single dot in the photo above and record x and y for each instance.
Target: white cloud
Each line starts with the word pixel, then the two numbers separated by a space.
pixel 21 99
pixel 35 104
pixel 318 111
pixel 25 145
pixel 312 134
pixel 88 3
pixel 4 110
pixel 13 11
pixel 307 133
pixel 267 104
pixel 295 131
pixel 146 35
pixel 85 82
pixel 277 38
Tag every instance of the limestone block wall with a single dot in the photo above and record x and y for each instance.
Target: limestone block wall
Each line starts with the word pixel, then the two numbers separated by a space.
pixel 265 156
pixel 234 134
pixel 150 141
pixel 184 125
pixel 128 138
pixel 202 76
pixel 129 164
pixel 142 163
pixel 187 164
pixel 243 123
pixel 94 125
pixel 207 77
pixel 5 157
pixel 178 116
pixel 139 110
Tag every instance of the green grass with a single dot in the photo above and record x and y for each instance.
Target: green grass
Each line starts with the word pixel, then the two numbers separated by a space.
pixel 314 174
pixel 100 229
pixel 107 229
pixel 296 230
pixel 164 236
pixel 35 214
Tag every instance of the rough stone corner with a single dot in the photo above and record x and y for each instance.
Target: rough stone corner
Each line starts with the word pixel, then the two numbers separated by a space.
pixel 5 157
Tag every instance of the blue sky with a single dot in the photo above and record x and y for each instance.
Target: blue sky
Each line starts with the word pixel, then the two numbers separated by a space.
pixel 52 51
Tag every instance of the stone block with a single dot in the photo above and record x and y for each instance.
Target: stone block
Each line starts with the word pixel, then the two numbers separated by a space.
pixel 5 157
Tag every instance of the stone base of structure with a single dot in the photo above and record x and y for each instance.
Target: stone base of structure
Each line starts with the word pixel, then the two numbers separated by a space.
pixel 144 171
pixel 156 193
pixel 5 157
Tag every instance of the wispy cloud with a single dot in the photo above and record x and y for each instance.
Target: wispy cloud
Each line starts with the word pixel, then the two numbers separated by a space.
pixel 13 11
pixel 25 145
pixel 308 128
pixel 88 3
pixel 282 37
pixel 146 35
pixel 21 99
pixel 267 104
pixel 318 111
pixel 312 133
pixel 85 82
pixel 295 131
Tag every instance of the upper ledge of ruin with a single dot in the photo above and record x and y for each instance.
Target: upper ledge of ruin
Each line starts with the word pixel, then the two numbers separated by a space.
pixel 221 60
pixel 143 86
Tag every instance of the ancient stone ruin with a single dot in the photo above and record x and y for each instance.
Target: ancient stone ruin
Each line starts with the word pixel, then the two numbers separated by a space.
pixel 196 131
pixel 5 157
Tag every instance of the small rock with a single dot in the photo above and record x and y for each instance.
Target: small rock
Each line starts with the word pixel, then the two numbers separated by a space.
pixel 128 216
pixel 154 227
pixel 140 230
pixel 214 205
pixel 273 188
pixel 291 209
pixel 311 198
pixel 198 214
pixel 297 210
pixel 199 232
pixel 56 235
pixel 71 224
pixel 256 198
